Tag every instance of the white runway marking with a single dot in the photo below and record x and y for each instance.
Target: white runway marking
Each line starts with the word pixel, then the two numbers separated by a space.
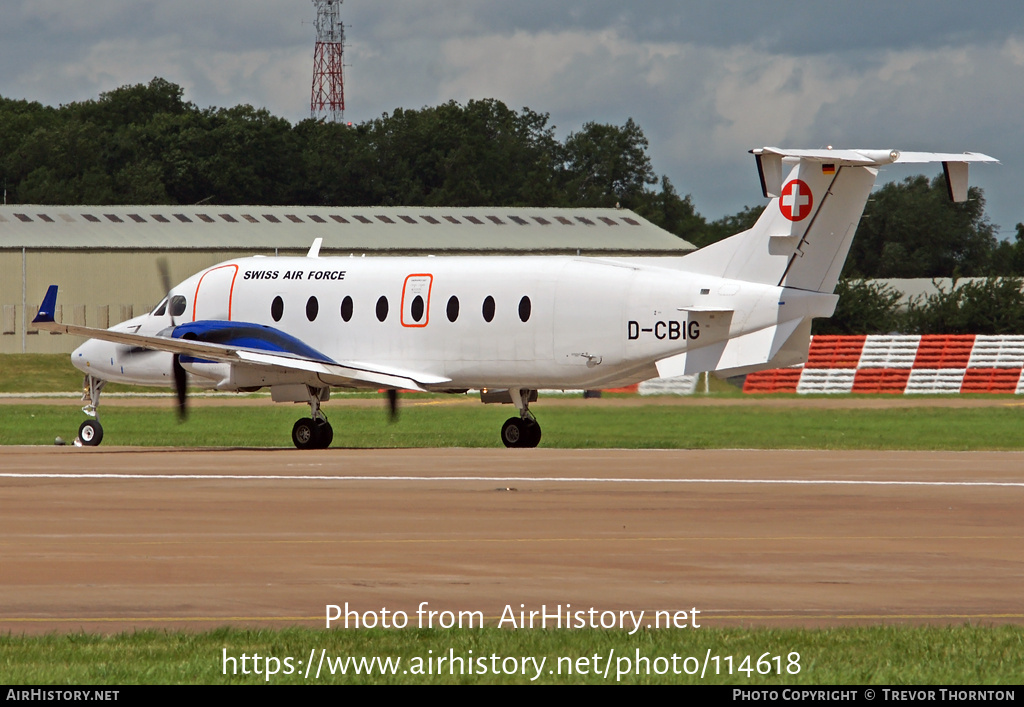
pixel 517 479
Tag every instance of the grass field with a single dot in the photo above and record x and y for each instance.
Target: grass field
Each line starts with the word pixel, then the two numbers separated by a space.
pixel 435 423
pixel 964 655
pixel 873 655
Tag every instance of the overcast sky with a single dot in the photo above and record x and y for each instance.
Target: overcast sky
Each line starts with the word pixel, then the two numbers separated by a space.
pixel 705 80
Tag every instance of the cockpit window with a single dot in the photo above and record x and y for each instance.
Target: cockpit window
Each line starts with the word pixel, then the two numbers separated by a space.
pixel 177 305
pixel 161 309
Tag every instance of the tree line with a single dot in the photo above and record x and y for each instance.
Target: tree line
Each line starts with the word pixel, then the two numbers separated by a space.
pixel 145 144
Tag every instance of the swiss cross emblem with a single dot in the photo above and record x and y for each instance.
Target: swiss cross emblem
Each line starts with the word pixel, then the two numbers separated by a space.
pixel 796 200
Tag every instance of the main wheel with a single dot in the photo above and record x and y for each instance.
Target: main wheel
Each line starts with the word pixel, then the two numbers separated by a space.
pixel 512 432
pixel 531 434
pixel 306 433
pixel 325 434
pixel 91 433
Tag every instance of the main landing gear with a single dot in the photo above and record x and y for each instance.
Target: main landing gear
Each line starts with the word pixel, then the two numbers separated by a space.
pixel 90 432
pixel 313 432
pixel 522 431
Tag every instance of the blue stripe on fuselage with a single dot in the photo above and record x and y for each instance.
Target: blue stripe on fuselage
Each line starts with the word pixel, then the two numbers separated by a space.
pixel 246 335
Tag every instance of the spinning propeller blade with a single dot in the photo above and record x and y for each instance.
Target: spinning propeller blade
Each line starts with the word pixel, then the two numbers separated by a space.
pixel 393 404
pixel 179 374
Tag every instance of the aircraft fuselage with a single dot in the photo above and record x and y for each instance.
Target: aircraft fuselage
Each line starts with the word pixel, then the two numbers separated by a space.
pixel 480 322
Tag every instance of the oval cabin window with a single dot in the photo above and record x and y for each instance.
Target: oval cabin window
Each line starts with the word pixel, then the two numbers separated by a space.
pixel 524 309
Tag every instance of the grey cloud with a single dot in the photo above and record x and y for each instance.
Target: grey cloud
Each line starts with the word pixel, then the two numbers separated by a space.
pixel 705 80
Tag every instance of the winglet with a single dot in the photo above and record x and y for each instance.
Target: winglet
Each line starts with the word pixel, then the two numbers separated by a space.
pixel 48 307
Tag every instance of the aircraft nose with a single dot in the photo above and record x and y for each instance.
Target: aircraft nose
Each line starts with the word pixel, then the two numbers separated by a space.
pixel 92 356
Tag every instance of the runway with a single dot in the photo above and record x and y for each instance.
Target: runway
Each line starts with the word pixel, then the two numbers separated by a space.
pixel 111 538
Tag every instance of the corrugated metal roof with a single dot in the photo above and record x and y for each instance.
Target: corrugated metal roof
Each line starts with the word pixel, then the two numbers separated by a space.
pixel 380 229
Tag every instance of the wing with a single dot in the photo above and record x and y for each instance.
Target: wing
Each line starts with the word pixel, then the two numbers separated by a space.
pixel 245 344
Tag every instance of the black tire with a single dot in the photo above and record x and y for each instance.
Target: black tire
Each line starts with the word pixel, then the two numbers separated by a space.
pixel 531 434
pixel 305 434
pixel 512 432
pixel 325 434
pixel 90 433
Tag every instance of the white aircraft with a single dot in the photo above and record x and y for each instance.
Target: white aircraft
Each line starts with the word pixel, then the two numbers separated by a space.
pixel 506 326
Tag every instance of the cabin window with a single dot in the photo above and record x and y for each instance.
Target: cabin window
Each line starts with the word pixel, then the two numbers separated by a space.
pixel 312 308
pixel 416 308
pixel 488 308
pixel 382 308
pixel 178 305
pixel 277 308
pixel 346 308
pixel 525 307
pixel 453 308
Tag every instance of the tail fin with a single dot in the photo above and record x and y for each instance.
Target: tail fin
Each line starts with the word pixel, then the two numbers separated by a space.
pixel 804 235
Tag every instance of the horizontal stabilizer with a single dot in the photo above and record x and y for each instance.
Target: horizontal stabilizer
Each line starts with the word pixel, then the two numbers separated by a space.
pixel 770 160
pixel 755 350
pixel 803 236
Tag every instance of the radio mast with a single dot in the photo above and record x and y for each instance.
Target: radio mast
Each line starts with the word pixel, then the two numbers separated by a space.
pixel 328 97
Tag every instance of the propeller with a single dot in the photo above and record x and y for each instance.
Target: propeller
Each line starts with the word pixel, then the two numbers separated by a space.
pixel 179 387
pixel 393 404
pixel 179 374
pixel 165 280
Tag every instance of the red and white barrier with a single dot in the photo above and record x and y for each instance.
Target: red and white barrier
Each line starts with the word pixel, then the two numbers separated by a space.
pixel 966 363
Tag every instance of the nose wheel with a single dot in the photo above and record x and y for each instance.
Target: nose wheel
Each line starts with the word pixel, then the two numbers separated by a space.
pixel 90 433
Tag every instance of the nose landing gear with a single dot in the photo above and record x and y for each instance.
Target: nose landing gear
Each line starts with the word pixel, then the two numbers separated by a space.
pixel 90 432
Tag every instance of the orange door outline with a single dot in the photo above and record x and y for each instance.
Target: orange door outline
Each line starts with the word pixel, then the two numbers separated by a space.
pixel 417 287
pixel 231 290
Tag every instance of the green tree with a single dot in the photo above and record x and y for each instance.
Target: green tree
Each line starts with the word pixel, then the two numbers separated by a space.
pixel 731 225
pixel 990 306
pixel 676 215
pixel 864 308
pixel 1008 257
pixel 145 143
pixel 479 154
pixel 605 165
pixel 912 229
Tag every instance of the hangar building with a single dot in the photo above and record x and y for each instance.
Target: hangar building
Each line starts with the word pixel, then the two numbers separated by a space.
pixel 105 257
